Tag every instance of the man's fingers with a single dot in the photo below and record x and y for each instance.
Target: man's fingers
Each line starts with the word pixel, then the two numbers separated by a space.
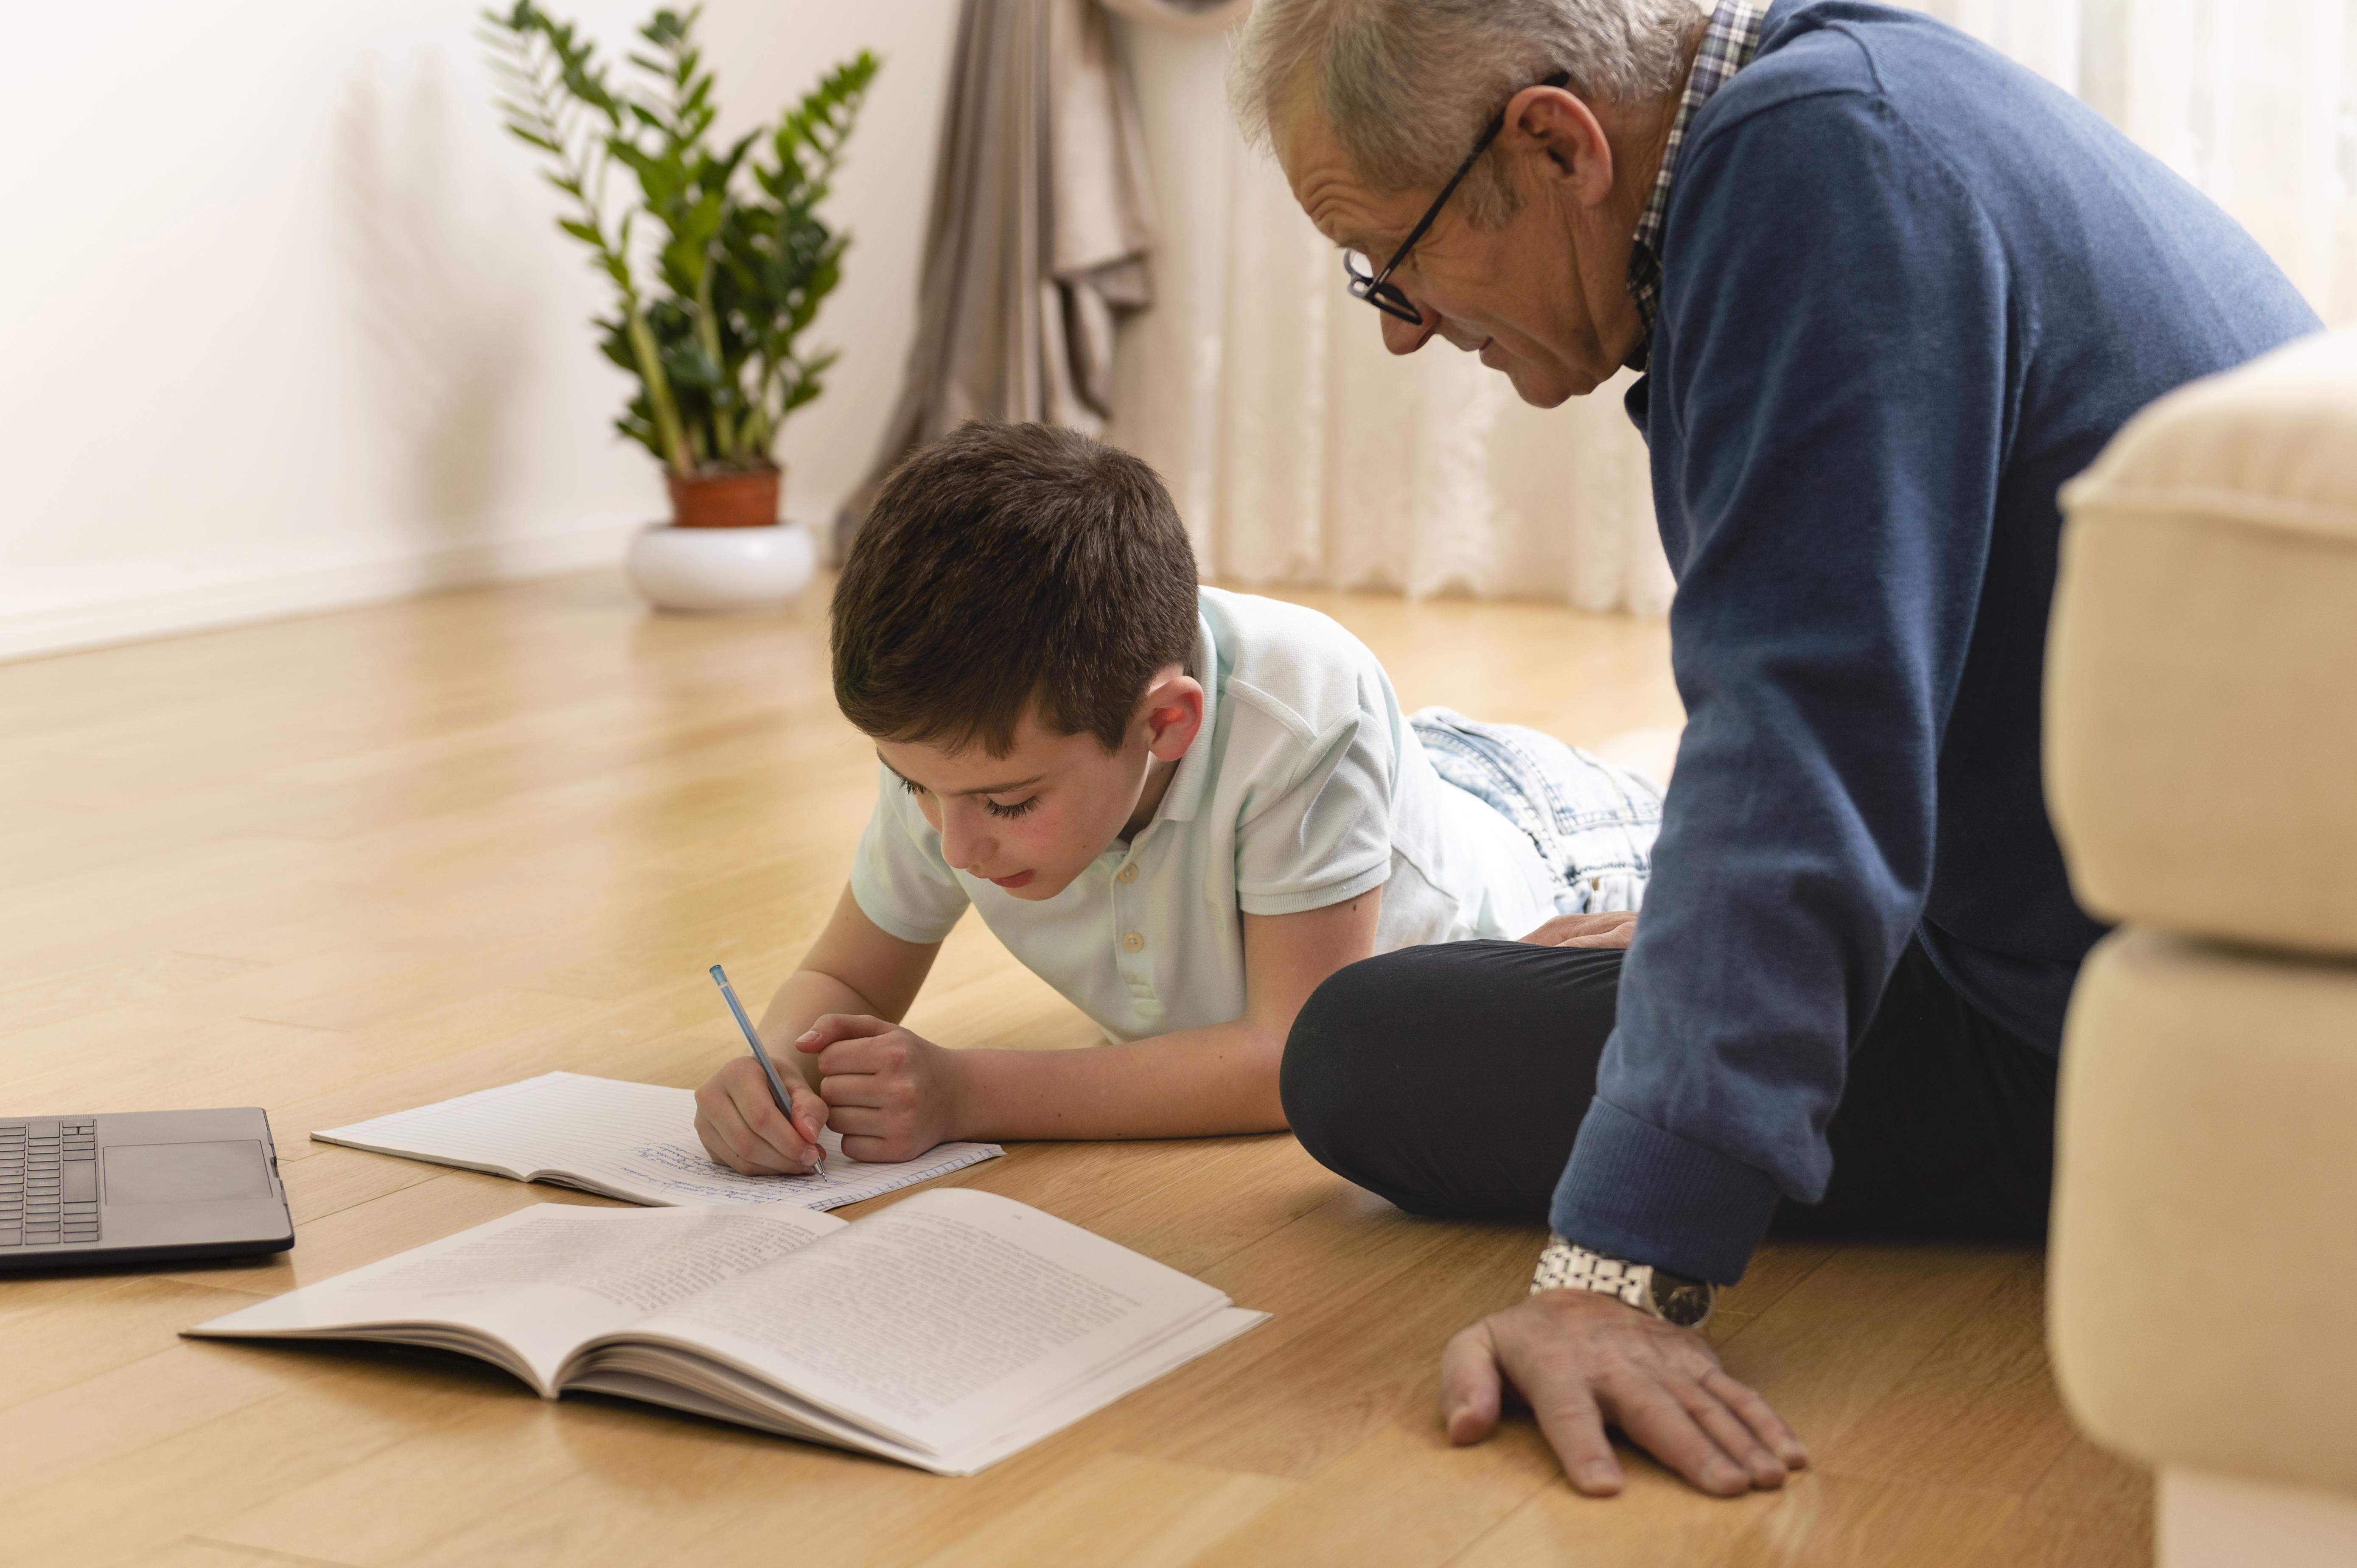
pixel 1655 1420
pixel 1760 1417
pixel 1469 1385
pixel 1614 929
pixel 1734 1437
pixel 1574 1425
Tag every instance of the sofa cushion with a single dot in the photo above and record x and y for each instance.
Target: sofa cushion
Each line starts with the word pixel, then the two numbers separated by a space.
pixel 2201 667
pixel 2203 1294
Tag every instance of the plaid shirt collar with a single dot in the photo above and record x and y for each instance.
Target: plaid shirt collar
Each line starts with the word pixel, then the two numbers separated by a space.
pixel 1728 46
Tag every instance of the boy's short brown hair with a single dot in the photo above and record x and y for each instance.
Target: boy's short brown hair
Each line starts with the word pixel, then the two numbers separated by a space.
pixel 1005 566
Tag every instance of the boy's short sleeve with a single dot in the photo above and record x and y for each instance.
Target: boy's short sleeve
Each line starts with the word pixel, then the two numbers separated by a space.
pixel 1323 835
pixel 898 877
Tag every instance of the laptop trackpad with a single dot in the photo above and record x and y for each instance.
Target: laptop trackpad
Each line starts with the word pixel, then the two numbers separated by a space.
pixel 185 1173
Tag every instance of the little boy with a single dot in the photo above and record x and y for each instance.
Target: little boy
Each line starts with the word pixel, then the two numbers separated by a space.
pixel 1182 808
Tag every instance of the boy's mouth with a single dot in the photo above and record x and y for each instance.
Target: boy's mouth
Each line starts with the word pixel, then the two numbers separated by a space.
pixel 1017 880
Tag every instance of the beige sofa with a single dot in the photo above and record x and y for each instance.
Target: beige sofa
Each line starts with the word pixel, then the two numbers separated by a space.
pixel 2202 769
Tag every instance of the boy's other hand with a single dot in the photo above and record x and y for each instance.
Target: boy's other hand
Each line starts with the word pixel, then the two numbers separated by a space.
pixel 738 1118
pixel 1615 929
pixel 892 1094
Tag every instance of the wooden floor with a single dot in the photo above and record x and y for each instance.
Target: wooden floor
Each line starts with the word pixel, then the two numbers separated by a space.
pixel 343 865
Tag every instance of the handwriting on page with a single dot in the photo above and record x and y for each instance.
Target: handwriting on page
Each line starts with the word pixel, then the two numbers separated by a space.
pixel 686 1169
pixel 676 1168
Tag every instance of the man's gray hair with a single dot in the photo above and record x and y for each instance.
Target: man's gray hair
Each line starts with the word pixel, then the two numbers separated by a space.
pixel 1408 86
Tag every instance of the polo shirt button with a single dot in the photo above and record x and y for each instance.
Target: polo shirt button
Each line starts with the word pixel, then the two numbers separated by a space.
pixel 1133 941
pixel 1129 872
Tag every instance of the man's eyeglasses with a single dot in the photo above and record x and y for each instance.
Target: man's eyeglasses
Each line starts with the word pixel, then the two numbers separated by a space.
pixel 1376 287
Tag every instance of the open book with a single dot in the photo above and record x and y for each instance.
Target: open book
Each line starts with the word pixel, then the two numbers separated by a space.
pixel 632 1140
pixel 946 1332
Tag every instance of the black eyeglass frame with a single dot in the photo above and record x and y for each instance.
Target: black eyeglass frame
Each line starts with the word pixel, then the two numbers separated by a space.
pixel 1379 290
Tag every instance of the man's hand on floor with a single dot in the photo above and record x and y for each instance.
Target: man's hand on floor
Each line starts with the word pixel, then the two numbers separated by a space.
pixel 1582 1359
pixel 1615 929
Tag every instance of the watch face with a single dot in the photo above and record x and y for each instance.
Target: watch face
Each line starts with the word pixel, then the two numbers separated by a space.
pixel 1685 1304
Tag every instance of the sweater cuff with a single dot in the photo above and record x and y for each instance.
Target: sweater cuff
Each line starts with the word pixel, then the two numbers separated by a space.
pixel 1633 1191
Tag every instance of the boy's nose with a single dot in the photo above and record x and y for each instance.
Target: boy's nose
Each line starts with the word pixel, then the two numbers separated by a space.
pixel 964 848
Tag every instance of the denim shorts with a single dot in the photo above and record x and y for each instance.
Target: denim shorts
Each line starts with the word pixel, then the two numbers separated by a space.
pixel 1592 823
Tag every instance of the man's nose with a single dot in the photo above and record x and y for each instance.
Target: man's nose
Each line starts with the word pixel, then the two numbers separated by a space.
pixel 1401 337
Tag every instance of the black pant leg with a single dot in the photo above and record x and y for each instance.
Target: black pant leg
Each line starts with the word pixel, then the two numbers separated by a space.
pixel 1946 1124
pixel 1451 1078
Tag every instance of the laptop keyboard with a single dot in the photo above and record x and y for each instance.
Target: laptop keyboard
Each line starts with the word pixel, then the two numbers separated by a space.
pixel 49 1182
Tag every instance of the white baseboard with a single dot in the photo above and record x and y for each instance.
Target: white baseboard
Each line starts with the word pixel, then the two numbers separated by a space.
pixel 2208 1520
pixel 31 633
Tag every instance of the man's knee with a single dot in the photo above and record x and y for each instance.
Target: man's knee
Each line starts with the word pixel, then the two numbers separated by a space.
pixel 1450 1078
pixel 1333 1057
pixel 1347 1078
pixel 1355 1082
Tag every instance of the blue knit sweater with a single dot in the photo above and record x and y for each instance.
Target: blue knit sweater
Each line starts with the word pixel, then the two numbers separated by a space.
pixel 1909 288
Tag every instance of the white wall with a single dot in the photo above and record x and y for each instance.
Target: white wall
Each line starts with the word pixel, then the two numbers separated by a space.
pixel 287 326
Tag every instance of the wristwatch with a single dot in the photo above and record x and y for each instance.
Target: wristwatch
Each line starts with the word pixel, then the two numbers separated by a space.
pixel 1673 1298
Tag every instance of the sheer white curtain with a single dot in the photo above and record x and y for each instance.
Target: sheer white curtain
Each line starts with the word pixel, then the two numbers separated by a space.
pixel 1299 452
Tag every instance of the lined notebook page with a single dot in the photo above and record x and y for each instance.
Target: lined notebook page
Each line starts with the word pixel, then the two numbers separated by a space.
pixel 635 1140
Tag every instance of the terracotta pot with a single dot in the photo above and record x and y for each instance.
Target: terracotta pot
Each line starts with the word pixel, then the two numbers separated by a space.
pixel 726 501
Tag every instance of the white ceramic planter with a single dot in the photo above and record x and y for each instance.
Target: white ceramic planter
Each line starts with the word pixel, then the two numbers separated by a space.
pixel 721 568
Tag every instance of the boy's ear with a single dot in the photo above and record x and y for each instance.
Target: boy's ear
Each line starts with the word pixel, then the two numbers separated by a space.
pixel 1174 713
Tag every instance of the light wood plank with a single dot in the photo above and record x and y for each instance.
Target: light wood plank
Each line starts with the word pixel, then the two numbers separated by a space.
pixel 346 864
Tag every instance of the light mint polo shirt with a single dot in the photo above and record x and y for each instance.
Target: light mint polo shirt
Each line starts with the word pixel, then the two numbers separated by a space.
pixel 1304 788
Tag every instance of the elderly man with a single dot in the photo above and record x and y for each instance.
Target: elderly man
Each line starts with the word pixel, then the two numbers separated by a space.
pixel 1889 291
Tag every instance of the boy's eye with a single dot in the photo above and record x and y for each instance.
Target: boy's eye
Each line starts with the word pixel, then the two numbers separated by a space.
pixel 909 785
pixel 1016 809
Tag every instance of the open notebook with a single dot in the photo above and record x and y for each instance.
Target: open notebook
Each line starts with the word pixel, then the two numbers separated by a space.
pixel 947 1332
pixel 631 1141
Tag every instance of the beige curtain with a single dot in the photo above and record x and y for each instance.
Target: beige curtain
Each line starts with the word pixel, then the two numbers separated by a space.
pixel 1301 452
pixel 1036 245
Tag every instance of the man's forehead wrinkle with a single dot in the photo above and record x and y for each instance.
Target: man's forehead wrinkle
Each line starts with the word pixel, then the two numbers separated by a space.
pixel 1328 195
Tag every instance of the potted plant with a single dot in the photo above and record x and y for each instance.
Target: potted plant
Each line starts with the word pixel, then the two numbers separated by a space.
pixel 718 266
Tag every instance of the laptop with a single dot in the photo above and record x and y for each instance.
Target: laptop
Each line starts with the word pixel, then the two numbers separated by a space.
pixel 139 1187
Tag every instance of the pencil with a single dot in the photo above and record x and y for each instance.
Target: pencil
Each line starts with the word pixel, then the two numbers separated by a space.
pixel 769 1069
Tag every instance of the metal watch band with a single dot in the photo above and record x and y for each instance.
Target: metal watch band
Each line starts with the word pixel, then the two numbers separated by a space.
pixel 1568 1265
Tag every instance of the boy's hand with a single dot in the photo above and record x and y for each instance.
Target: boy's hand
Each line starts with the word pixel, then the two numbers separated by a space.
pixel 1617 928
pixel 891 1094
pixel 738 1118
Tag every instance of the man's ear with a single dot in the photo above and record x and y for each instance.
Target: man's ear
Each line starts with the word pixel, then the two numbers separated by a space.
pixel 1554 137
pixel 1173 712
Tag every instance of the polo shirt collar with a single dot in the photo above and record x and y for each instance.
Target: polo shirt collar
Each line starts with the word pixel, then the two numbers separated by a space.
pixel 1728 42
